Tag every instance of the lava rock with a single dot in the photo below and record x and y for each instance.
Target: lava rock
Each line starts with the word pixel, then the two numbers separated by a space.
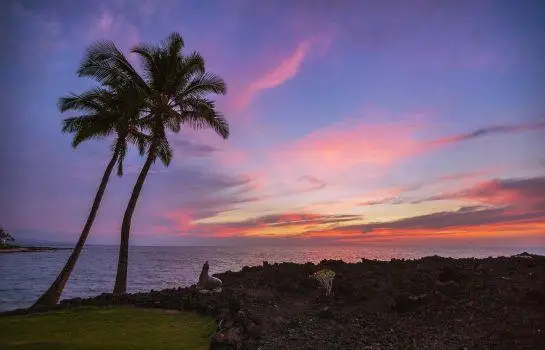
pixel 326 313
pixel 535 295
pixel 254 330
pixel 450 288
pixel 448 274
pixel 405 302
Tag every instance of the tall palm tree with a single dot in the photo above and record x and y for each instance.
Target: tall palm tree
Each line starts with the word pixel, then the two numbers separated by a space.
pixel 105 112
pixel 176 89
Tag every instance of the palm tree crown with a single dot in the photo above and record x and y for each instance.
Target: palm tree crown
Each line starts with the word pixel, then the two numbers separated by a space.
pixel 105 113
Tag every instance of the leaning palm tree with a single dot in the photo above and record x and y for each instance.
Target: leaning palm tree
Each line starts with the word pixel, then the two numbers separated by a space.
pixel 176 89
pixel 105 112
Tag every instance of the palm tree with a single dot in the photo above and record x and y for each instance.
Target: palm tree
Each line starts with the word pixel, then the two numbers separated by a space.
pixel 105 112
pixel 175 87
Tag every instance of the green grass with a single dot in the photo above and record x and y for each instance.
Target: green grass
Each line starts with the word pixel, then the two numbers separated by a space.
pixel 106 328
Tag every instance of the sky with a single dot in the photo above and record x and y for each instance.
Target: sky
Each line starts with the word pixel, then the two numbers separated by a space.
pixel 352 122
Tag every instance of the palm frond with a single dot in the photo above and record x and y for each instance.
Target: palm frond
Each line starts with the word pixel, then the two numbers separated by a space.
pixel 189 67
pixel 86 122
pixel 192 64
pixel 148 60
pixel 90 101
pixel 139 139
pixel 202 114
pixel 89 134
pixel 164 151
pixel 207 83
pixel 105 63
pixel 174 43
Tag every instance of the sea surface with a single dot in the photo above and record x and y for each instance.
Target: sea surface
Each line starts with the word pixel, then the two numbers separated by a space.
pixel 24 276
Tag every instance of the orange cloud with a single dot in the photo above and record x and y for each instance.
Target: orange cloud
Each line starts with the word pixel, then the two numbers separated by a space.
pixel 534 229
pixel 278 225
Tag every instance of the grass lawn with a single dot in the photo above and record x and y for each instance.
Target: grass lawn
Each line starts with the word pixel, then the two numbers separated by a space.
pixel 106 328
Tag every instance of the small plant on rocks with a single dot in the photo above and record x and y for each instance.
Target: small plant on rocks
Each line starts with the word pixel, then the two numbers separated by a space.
pixel 325 277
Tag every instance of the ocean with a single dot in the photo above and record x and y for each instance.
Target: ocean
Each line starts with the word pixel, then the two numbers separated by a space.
pixel 24 276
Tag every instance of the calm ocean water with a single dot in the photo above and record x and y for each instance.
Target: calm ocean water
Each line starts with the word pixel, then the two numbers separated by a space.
pixel 24 276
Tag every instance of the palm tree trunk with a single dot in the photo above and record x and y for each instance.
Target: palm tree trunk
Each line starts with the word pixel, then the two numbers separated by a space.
pixel 52 295
pixel 120 286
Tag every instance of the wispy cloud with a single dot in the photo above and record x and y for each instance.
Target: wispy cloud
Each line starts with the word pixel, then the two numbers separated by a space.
pixel 108 25
pixel 283 72
pixel 396 195
pixel 315 183
pixel 486 131
pixel 193 149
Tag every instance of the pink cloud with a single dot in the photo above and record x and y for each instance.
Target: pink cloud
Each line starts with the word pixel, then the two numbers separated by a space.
pixel 526 193
pixel 346 145
pixel 182 220
pixel 355 148
pixel 286 70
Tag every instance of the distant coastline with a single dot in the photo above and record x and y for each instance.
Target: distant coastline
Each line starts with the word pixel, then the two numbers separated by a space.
pixel 19 249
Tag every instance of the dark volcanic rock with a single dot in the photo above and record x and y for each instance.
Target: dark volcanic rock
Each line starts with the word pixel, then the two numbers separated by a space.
pixel 405 302
pixel 449 274
pixel 536 295
pixel 254 330
pixel 326 313
pixel 449 288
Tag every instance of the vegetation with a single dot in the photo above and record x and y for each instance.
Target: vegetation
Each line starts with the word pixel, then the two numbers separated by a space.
pixel 8 246
pixel 325 277
pixel 106 328
pixel 105 111
pixel 5 237
pixel 174 89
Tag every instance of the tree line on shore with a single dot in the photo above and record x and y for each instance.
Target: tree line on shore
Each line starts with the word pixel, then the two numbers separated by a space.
pixel 172 91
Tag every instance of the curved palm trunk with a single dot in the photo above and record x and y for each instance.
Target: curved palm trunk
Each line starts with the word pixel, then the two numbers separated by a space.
pixel 120 286
pixel 52 295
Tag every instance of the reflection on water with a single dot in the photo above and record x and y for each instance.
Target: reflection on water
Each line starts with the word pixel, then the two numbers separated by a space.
pixel 24 276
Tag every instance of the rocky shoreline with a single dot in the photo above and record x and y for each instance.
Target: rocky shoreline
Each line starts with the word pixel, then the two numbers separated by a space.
pixel 429 303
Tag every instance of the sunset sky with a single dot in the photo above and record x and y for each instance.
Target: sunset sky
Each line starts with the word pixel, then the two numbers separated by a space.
pixel 392 122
